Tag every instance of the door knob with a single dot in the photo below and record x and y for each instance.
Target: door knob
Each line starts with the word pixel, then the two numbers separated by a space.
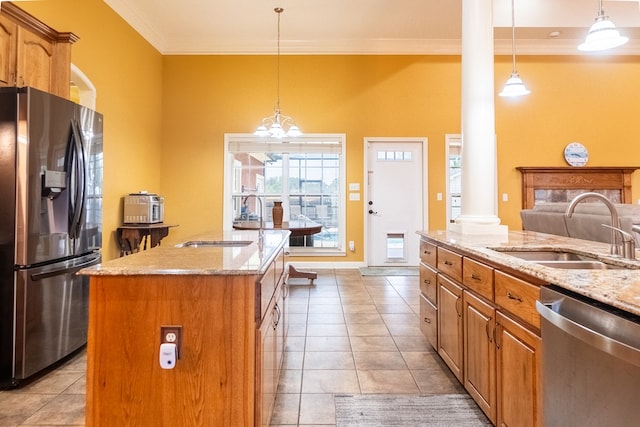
pixel 372 212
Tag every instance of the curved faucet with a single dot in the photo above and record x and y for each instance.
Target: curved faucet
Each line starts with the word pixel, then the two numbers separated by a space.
pixel 616 247
pixel 261 229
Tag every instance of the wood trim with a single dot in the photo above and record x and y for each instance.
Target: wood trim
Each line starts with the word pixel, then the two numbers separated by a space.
pixel 592 177
pixel 32 23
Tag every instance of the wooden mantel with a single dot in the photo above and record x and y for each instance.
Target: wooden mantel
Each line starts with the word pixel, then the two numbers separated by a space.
pixel 586 178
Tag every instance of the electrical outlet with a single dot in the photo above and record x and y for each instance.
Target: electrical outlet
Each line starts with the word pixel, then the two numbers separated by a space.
pixel 171 334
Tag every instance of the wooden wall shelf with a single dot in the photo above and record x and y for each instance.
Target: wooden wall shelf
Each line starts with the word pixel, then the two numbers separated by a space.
pixel 559 184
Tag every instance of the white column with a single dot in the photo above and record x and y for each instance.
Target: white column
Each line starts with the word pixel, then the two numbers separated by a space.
pixel 479 159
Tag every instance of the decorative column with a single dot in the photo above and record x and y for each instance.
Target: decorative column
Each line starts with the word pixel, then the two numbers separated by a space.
pixel 479 158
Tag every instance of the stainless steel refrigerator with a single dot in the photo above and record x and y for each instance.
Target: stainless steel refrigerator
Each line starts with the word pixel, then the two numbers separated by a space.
pixel 50 227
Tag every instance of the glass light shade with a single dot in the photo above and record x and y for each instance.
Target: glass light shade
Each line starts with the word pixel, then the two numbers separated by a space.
pixel 514 87
pixel 602 35
pixel 294 131
pixel 261 131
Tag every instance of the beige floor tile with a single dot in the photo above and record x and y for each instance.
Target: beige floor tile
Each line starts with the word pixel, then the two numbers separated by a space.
pixel 55 382
pixel 296 307
pixel 437 381
pixel 379 360
pixel 373 344
pixel 400 319
pixel 297 330
pixel 394 308
pixel 317 330
pixel 368 318
pixel 300 318
pixel 330 381
pixel 387 381
pixel 317 409
pixel 64 409
pixel 329 360
pixel 17 407
pixel 325 308
pixel 286 409
pixel 293 360
pixel 360 308
pixel 326 319
pixel 328 344
pixel 368 330
pixel 295 344
pixel 322 300
pixel 78 387
pixel 409 343
pixel 421 359
pixel 412 330
pixel 290 381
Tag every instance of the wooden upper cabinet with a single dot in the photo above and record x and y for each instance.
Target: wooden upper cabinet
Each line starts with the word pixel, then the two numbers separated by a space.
pixel 8 43
pixel 32 53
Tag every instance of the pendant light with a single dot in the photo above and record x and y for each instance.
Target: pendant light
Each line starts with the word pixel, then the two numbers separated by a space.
pixel 278 125
pixel 602 35
pixel 514 86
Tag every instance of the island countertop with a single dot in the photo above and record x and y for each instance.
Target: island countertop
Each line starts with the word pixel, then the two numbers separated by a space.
pixel 244 259
pixel 619 288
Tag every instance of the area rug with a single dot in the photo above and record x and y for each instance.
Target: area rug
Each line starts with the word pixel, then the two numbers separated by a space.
pixel 389 271
pixel 378 410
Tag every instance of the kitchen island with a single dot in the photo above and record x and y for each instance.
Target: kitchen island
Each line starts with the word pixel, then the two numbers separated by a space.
pixel 478 308
pixel 225 295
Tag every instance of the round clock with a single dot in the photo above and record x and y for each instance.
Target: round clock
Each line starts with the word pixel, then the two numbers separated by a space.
pixel 576 154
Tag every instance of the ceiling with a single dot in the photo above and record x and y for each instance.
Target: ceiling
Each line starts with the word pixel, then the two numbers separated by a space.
pixel 366 26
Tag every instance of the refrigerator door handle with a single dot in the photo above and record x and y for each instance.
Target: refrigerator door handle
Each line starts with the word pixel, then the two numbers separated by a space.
pixel 76 165
pixel 71 269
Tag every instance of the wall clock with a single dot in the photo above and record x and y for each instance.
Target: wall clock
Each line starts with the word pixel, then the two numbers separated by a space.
pixel 576 154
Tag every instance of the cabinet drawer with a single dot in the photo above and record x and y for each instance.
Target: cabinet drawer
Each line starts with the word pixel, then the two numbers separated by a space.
pixel 478 277
pixel 428 284
pixel 518 297
pixel 429 321
pixel 450 263
pixel 428 253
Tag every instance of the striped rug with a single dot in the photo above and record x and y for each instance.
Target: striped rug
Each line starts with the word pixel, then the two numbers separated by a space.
pixel 442 410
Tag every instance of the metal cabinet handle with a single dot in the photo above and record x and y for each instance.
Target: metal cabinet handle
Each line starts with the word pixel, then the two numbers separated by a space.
pixel 427 320
pixel 474 276
pixel 488 327
pixel 448 262
pixel 427 252
pixel 427 281
pixel 514 297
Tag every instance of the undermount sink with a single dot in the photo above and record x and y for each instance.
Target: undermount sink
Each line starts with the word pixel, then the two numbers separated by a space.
pixel 565 260
pixel 214 243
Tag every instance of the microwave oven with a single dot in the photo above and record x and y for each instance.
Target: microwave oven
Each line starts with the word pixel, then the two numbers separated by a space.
pixel 142 208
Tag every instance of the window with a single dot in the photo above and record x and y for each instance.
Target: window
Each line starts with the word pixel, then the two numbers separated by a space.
pixel 307 174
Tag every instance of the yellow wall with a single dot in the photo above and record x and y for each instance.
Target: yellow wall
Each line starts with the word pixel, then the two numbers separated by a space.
pixel 166 116
pixel 127 73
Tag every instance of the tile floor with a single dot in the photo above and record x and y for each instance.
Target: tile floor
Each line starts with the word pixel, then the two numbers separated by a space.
pixel 349 334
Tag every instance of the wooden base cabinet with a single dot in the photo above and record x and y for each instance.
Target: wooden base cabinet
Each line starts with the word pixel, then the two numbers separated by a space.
pixel 450 324
pixel 518 374
pixel 480 353
pixel 487 333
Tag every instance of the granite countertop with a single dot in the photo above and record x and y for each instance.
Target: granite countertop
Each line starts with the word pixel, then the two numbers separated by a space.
pixel 250 259
pixel 619 288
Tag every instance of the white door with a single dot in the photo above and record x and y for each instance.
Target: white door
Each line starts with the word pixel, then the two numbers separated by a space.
pixel 396 200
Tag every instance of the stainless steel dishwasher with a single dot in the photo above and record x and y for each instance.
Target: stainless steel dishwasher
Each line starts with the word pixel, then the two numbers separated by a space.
pixel 591 362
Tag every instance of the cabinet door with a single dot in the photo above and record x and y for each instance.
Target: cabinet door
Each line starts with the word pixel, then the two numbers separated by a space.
pixel 35 60
pixel 479 353
pixel 8 44
pixel 267 354
pixel 450 324
pixel 429 321
pixel 518 374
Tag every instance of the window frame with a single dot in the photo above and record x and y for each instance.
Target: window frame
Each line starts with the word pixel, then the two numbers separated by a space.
pixel 228 170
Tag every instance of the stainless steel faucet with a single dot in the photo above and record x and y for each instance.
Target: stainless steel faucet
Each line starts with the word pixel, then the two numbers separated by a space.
pixel 261 229
pixel 616 231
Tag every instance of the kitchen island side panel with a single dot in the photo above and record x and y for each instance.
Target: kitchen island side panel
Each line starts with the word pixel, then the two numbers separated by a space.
pixel 212 382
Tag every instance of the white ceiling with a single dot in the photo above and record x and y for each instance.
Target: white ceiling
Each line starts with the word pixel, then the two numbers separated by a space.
pixel 365 26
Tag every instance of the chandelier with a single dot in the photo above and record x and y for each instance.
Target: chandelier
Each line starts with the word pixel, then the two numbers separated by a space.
pixel 278 125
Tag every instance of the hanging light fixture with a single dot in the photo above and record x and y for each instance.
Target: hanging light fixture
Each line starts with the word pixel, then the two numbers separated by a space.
pixel 278 125
pixel 514 86
pixel 602 35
